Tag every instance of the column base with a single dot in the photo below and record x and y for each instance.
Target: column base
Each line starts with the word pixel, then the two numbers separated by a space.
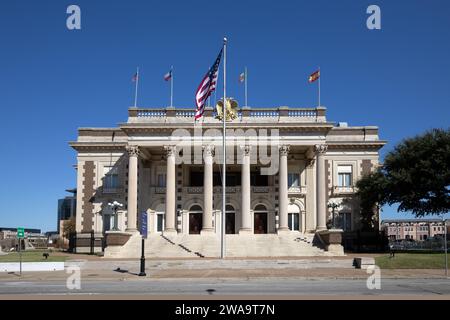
pixel 132 231
pixel 321 228
pixel 283 230
pixel 207 231
pixel 170 232
pixel 245 231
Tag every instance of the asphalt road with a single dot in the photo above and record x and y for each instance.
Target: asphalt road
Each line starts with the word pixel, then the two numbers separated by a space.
pixel 272 287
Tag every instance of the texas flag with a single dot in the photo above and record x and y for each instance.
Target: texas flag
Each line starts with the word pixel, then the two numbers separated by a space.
pixel 314 76
pixel 168 75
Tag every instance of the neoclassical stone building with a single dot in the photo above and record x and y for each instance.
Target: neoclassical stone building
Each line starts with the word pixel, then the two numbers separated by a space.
pixel 284 165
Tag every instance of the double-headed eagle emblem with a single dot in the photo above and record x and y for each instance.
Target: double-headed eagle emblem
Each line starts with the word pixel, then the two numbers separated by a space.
pixel 231 106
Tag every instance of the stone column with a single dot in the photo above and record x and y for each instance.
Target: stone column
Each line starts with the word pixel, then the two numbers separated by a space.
pixel 170 213
pixel 311 203
pixel 133 153
pixel 283 190
pixel 246 223
pixel 208 152
pixel 320 150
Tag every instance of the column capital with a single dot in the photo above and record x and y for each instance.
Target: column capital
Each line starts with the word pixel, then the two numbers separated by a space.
pixel 133 151
pixel 170 150
pixel 246 149
pixel 320 149
pixel 284 150
pixel 208 150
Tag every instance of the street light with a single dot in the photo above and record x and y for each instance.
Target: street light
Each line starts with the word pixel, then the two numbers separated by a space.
pixel 333 205
pixel 114 206
pixel 445 245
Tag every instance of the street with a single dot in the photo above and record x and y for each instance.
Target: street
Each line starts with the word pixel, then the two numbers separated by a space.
pixel 232 287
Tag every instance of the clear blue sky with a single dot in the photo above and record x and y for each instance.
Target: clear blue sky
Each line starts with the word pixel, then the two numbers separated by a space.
pixel 53 80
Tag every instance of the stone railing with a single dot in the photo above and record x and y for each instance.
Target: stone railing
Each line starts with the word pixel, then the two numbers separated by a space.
pixel 260 189
pixel 343 190
pixel 228 189
pixel 160 190
pixel 297 190
pixel 193 190
pixel 110 190
pixel 305 114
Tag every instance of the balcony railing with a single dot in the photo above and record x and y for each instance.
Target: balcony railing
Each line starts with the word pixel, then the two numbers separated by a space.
pixel 343 190
pixel 302 114
pixel 260 189
pixel 193 190
pixel 160 190
pixel 297 190
pixel 110 190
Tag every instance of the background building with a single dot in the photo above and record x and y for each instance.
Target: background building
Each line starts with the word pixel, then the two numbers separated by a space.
pixel 413 229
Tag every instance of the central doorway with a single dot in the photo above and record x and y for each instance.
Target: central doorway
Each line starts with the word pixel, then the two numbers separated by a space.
pixel 260 219
pixel 195 219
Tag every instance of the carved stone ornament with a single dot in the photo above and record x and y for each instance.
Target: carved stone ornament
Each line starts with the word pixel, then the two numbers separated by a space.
pixel 284 150
pixel 320 148
pixel 246 149
pixel 208 150
pixel 170 150
pixel 133 151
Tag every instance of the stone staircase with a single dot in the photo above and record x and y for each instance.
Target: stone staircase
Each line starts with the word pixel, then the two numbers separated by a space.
pixel 238 246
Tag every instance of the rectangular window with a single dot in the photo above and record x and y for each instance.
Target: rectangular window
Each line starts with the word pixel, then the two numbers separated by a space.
pixel 293 180
pixel 161 180
pixel 345 176
pixel 111 178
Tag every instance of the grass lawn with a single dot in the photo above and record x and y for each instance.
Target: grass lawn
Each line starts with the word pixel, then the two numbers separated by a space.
pixel 33 256
pixel 411 261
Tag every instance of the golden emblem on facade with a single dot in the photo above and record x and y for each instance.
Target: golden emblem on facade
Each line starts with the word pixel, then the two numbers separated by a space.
pixel 231 109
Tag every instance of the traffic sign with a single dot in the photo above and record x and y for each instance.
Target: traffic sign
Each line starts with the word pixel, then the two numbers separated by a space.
pixel 20 233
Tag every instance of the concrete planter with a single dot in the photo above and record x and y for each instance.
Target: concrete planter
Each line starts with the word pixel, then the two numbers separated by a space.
pixel 332 240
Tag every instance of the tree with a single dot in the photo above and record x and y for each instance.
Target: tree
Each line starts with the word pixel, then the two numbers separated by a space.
pixel 68 227
pixel 416 175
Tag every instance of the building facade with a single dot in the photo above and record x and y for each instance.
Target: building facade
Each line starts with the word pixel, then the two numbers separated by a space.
pixel 413 229
pixel 283 167
pixel 67 208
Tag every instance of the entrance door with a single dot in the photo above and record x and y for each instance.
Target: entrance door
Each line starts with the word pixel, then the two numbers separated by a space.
pixel 195 219
pixel 260 219
pixel 229 223
pixel 260 222
pixel 293 221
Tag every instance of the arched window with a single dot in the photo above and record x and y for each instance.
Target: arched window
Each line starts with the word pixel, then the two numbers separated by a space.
pixel 195 219
pixel 260 219
pixel 260 207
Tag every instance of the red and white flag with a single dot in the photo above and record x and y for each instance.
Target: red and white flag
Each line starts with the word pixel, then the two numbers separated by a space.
pixel 168 75
pixel 206 87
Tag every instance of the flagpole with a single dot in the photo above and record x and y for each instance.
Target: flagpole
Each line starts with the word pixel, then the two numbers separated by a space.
pixel 319 87
pixel 171 86
pixel 136 88
pixel 246 76
pixel 224 185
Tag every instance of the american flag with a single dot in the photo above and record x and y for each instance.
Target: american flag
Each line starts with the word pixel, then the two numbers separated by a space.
pixel 207 86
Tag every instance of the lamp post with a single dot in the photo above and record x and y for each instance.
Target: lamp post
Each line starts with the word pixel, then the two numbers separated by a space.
pixel 333 205
pixel 114 206
pixel 445 245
